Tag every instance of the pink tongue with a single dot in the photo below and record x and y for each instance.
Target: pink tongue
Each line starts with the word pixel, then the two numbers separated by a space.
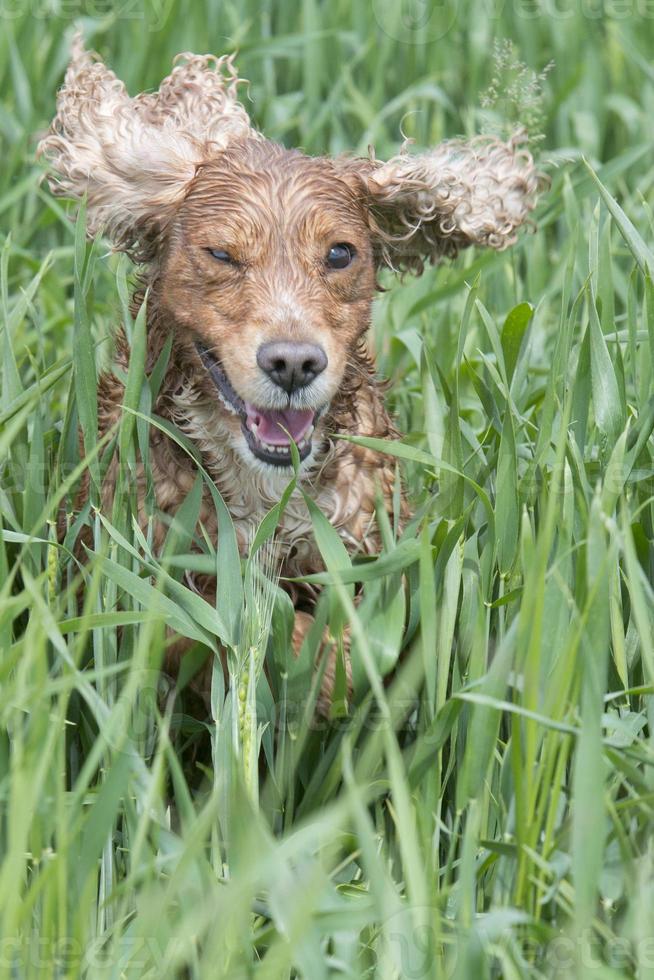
pixel 267 424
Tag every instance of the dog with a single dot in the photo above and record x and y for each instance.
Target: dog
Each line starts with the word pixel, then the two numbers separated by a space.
pixel 260 265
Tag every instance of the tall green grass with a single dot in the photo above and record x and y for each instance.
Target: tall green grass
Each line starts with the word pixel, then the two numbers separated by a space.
pixel 488 812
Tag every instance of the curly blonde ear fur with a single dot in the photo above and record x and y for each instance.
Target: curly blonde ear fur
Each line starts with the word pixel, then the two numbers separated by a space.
pixel 464 192
pixel 133 158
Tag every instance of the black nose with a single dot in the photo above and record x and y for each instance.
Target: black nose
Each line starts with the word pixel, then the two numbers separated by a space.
pixel 290 365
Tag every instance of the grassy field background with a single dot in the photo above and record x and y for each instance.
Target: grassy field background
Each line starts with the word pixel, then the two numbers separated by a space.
pixel 489 812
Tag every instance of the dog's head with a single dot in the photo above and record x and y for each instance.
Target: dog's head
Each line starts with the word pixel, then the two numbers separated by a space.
pixel 266 258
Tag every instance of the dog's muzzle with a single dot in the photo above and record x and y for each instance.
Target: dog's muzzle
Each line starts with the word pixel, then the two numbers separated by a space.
pixel 268 431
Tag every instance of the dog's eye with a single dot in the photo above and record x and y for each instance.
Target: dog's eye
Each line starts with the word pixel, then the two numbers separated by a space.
pixel 340 255
pixel 221 255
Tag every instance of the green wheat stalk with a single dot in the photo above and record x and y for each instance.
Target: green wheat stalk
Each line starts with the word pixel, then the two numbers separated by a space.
pixel 260 583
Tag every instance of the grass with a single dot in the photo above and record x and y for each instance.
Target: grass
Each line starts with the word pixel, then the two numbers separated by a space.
pixel 489 812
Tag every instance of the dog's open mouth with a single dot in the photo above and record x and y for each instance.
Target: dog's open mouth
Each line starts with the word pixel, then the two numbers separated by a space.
pixel 266 430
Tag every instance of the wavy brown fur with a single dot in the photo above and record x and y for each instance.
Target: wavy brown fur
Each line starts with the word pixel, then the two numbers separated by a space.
pixel 173 174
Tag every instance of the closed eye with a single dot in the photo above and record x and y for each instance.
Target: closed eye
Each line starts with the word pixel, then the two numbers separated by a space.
pixel 221 255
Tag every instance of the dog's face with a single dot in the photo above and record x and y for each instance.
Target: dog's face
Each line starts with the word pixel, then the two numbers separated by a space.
pixel 269 271
pixel 264 257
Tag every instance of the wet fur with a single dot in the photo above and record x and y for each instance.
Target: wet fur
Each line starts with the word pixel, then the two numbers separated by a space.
pixel 172 174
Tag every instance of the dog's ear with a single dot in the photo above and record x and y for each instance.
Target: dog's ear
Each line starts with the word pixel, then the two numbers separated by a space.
pixel 133 158
pixel 464 192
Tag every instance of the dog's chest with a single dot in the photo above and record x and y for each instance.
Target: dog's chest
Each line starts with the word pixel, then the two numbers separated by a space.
pixel 342 488
pixel 343 505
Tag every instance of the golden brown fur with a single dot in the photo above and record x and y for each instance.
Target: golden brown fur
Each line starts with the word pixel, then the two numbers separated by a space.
pixel 176 175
